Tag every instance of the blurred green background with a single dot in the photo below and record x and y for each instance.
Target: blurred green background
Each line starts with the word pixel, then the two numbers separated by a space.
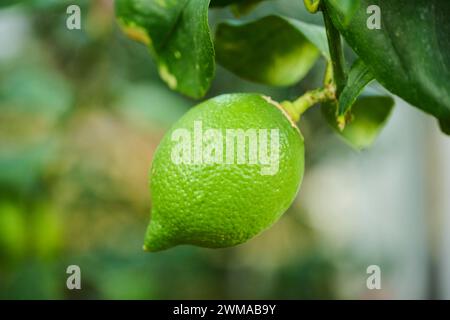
pixel 81 113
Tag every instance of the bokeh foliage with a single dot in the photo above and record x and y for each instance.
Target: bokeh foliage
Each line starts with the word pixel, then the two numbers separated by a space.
pixel 81 114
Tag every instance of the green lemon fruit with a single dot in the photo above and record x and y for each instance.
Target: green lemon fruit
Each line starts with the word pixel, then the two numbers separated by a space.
pixel 227 170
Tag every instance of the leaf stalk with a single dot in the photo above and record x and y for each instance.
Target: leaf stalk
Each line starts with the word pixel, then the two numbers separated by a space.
pixel 296 108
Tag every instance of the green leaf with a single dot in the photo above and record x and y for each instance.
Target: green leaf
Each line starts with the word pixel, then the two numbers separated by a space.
pixel 313 33
pixel 6 3
pixel 242 8
pixel 368 116
pixel 273 50
pixel 410 54
pixel 224 3
pixel 445 125
pixel 359 76
pixel 346 8
pixel 238 7
pixel 178 36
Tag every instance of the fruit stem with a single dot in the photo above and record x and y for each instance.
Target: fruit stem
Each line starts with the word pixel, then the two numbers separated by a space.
pixel 310 98
pixel 336 52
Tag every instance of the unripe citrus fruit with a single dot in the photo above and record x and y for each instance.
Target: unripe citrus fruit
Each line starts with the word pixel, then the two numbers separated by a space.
pixel 227 170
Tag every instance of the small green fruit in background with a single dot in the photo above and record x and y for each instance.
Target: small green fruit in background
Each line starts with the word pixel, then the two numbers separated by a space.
pixel 13 232
pixel 227 170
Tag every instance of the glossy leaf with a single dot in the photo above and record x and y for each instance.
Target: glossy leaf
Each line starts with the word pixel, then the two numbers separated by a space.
pixel 224 3
pixel 238 7
pixel 242 8
pixel 410 54
pixel 359 76
pixel 273 50
pixel 347 8
pixel 368 116
pixel 177 34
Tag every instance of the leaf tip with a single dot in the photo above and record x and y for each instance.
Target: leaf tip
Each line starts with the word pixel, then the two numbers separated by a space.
pixel 312 5
pixel 341 122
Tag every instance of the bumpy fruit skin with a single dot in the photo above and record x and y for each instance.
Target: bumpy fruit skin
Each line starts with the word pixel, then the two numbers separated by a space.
pixel 222 205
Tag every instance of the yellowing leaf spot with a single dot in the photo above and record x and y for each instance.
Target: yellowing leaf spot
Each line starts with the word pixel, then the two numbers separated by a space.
pixel 136 33
pixel 167 76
